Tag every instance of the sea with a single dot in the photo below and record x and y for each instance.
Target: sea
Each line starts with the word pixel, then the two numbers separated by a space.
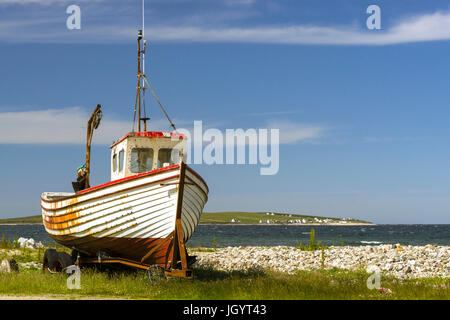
pixel 285 235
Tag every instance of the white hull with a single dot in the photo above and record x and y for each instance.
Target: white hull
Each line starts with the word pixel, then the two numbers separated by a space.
pixel 139 207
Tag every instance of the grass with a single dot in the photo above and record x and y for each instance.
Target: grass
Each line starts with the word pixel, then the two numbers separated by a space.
pixel 217 285
pixel 211 218
pixel 22 255
pixel 313 245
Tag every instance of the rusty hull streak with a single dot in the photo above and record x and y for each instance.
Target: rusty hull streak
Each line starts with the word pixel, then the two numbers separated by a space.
pixel 70 220
pixel 68 215
pixel 56 219
pixel 65 230
pixel 63 215
pixel 101 196
pixel 74 222
pixel 57 204
pixel 62 227
pixel 65 220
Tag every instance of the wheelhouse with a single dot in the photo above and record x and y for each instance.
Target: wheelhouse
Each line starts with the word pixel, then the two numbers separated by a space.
pixel 140 152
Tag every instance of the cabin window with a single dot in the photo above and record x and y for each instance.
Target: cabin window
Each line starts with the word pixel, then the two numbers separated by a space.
pixel 141 160
pixel 114 162
pixel 167 158
pixel 121 156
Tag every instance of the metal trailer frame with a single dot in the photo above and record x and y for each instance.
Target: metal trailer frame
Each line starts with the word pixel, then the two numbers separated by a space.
pixel 181 273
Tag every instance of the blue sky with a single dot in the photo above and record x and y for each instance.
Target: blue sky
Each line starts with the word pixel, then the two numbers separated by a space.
pixel 363 114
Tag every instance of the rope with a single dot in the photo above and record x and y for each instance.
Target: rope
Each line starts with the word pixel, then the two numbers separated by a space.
pixel 56 272
pixel 167 116
pixel 52 272
pixel 135 106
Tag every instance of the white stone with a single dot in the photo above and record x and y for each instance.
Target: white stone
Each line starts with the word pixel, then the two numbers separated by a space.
pixel 8 265
pixel 403 264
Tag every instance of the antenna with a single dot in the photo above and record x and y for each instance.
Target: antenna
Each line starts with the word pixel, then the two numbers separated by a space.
pixel 141 77
pixel 143 37
pixel 144 84
pixel 143 66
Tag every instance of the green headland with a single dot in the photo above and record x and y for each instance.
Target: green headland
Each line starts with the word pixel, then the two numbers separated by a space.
pixel 235 218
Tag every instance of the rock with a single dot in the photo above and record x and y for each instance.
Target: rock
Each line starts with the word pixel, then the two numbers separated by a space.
pixel 410 262
pixel 388 267
pixel 31 264
pixel 9 265
pixel 29 243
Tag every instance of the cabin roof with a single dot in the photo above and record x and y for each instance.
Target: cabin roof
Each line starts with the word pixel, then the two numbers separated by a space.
pixel 151 134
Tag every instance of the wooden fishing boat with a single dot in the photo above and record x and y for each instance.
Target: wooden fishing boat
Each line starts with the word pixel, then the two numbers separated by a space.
pixel 147 212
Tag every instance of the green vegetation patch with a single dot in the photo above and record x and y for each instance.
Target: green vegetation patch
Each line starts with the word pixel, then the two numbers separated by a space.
pixel 23 220
pixel 217 285
pixel 255 217
pixel 214 284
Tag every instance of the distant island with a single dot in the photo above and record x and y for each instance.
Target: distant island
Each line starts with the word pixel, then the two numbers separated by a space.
pixel 273 218
pixel 235 218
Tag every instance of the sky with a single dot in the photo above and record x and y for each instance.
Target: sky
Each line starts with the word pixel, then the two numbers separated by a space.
pixel 363 114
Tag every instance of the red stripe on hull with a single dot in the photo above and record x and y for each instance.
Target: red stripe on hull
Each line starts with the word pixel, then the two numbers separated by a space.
pixel 128 178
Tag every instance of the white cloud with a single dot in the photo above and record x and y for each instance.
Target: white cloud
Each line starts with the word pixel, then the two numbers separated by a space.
pixel 56 126
pixel 420 28
pixel 63 126
pixel 291 132
pixel 429 27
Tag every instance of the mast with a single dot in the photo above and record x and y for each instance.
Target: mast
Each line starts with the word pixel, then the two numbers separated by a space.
pixel 144 119
pixel 140 98
pixel 142 83
pixel 143 37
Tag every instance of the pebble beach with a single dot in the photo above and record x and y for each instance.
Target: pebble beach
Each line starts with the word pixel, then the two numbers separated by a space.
pixel 399 261
pixel 393 260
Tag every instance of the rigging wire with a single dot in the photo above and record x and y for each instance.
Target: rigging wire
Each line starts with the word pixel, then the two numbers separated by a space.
pixel 153 92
